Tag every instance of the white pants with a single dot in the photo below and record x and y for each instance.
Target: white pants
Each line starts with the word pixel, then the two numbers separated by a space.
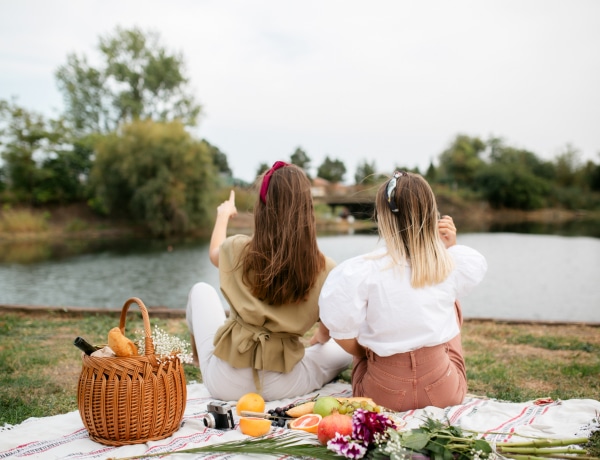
pixel 205 314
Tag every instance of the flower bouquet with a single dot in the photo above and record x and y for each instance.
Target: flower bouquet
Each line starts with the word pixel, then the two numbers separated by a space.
pixel 378 436
pixel 166 346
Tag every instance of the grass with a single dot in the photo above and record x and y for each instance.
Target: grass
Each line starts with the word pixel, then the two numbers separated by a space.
pixel 23 220
pixel 514 362
pixel 40 366
pixel 519 362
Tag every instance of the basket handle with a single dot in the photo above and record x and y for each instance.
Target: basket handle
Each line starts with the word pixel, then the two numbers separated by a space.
pixel 148 344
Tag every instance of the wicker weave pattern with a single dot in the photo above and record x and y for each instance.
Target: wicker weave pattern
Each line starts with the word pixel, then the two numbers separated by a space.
pixel 131 400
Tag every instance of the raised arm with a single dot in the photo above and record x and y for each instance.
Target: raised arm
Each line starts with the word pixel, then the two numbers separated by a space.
pixel 447 231
pixel 225 211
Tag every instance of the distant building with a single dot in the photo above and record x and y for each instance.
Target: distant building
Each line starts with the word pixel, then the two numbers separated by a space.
pixel 319 187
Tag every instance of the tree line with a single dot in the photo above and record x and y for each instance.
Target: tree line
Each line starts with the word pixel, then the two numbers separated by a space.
pixel 122 145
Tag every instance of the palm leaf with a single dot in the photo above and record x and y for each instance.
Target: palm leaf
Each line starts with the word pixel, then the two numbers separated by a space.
pixel 292 443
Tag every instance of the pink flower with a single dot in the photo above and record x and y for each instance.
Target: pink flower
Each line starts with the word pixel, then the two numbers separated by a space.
pixel 344 445
pixel 366 424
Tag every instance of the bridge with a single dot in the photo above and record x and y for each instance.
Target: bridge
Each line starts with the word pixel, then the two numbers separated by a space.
pixel 358 203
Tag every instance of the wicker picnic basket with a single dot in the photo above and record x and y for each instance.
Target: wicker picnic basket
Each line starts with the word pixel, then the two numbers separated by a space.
pixel 135 399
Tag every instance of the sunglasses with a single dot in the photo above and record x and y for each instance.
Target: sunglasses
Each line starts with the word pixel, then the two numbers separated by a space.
pixel 391 187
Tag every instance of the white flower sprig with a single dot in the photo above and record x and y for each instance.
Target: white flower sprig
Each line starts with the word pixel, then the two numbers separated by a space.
pixel 166 345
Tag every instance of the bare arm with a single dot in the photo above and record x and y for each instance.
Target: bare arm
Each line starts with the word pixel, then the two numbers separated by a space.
pixel 225 211
pixel 352 346
pixel 321 335
pixel 447 231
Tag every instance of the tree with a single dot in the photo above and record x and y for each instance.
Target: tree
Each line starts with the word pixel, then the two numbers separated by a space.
pixel 139 79
pixel 23 134
pixel 503 154
pixel 301 159
pixel 414 170
pixel 157 174
pixel 332 170
pixel 461 160
pixel 261 169
pixel 219 159
pixel 567 164
pixel 592 175
pixel 365 173
pixel 431 174
pixel 512 186
pixel 3 181
pixel 40 163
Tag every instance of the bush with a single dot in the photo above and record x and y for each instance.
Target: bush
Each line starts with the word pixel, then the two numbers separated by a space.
pixel 509 186
pixel 156 174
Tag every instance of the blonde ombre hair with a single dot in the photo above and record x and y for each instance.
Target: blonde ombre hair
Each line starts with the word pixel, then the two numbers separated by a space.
pixel 407 222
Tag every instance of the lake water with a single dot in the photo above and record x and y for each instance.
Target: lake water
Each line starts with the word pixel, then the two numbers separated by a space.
pixel 530 277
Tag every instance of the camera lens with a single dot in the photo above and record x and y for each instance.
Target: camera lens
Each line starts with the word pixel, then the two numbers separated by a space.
pixel 209 421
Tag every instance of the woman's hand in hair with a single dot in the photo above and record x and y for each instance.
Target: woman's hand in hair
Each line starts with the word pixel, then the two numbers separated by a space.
pixel 447 231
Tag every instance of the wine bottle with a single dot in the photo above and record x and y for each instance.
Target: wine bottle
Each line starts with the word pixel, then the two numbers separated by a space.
pixel 84 346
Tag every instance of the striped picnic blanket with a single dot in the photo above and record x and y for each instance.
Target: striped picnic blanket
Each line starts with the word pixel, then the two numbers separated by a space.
pixel 64 436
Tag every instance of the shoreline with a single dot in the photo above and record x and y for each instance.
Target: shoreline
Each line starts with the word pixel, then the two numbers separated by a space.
pixel 165 312
pixel 78 223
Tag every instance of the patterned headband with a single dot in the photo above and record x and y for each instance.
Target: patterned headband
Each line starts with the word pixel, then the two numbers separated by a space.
pixel 265 182
pixel 391 188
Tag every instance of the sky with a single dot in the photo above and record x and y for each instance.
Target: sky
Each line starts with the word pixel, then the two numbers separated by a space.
pixel 391 82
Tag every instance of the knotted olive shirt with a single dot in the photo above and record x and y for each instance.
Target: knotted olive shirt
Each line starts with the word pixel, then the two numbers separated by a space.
pixel 258 335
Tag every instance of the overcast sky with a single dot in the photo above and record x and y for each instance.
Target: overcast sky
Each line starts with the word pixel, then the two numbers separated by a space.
pixel 388 81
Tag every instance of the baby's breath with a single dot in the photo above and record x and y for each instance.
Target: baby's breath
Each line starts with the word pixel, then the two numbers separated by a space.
pixel 166 346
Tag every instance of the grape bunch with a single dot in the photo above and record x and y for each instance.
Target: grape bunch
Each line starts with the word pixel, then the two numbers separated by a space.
pixel 348 407
pixel 278 415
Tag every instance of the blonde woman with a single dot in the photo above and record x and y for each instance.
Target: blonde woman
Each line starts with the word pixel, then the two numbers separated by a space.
pixel 271 281
pixel 396 309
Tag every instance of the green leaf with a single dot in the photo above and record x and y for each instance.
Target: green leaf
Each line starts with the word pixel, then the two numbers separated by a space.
pixel 295 444
pixel 415 440
pixel 482 445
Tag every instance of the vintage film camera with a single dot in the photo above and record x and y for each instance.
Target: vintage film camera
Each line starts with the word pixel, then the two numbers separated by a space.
pixel 219 416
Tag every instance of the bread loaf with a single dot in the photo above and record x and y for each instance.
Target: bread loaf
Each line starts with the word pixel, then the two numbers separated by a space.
pixel 121 345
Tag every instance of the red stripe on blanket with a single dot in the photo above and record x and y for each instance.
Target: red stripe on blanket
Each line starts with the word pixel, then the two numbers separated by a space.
pixel 38 447
pixel 526 417
pixel 462 411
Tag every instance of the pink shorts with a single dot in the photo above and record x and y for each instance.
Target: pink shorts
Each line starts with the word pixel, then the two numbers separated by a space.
pixel 430 376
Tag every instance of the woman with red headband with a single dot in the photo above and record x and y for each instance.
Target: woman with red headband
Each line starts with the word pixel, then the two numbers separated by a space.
pixel 272 282
pixel 395 309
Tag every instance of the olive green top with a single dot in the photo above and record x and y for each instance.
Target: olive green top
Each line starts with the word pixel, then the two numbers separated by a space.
pixel 258 335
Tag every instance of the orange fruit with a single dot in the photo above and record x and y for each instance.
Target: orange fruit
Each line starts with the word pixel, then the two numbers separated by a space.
pixel 308 422
pixel 252 402
pixel 254 426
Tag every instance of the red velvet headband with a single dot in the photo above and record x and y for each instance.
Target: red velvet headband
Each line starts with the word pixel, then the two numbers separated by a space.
pixel 265 182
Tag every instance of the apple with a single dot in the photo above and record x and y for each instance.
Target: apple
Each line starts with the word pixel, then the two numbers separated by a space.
pixel 332 424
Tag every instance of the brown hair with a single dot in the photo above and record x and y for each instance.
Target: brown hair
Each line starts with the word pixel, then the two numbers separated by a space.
pixel 411 233
pixel 282 260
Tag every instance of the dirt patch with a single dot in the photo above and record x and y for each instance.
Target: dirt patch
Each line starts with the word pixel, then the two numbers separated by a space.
pixel 65 374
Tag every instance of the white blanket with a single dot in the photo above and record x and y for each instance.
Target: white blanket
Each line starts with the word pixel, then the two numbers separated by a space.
pixel 64 436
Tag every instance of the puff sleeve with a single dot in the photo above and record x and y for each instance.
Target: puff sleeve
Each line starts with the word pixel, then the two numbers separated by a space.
pixel 343 298
pixel 471 267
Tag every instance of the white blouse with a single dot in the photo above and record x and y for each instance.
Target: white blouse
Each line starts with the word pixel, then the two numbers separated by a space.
pixel 367 298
